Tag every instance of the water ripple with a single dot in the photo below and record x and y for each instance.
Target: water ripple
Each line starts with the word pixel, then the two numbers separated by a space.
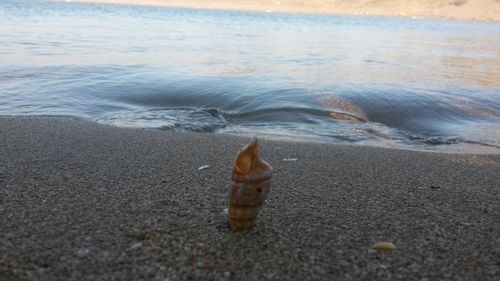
pixel 427 84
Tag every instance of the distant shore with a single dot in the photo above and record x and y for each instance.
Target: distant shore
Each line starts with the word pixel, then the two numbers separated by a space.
pixel 455 9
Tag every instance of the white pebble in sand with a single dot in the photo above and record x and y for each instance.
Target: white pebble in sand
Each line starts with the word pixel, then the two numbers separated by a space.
pixel 82 252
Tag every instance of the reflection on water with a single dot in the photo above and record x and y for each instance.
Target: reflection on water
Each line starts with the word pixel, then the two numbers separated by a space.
pixel 422 84
pixel 478 70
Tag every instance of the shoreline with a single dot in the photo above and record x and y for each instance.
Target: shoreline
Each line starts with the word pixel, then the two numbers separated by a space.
pixel 459 149
pixel 88 201
pixel 478 10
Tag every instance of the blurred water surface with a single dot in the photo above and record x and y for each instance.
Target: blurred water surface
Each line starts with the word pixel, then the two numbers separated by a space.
pixel 393 82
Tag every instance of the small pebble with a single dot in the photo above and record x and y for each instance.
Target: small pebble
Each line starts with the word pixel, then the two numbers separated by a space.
pixel 135 246
pixel 82 252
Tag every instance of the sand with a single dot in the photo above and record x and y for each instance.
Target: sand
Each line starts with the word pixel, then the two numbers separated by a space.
pixel 83 201
pixel 455 9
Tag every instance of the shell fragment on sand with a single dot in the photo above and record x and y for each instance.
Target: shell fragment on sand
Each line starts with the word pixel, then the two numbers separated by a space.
pixel 384 246
pixel 203 167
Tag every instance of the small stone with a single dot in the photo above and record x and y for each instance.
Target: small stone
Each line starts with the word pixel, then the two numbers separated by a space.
pixel 135 246
pixel 82 252
pixel 227 273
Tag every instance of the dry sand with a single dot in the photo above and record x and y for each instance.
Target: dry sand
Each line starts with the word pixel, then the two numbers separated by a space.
pixel 456 9
pixel 82 201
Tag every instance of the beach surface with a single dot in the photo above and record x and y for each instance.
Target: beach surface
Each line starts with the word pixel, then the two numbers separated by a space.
pixel 83 201
pixel 455 9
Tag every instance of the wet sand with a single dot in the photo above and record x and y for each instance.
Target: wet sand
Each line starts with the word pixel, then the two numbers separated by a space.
pixel 455 9
pixel 83 201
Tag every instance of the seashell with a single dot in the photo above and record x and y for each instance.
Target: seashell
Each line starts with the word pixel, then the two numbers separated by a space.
pixel 251 181
pixel 384 246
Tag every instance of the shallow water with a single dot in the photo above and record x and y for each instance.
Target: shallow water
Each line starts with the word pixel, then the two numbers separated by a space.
pixel 394 82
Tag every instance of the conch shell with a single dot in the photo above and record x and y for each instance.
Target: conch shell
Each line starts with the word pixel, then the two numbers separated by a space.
pixel 251 179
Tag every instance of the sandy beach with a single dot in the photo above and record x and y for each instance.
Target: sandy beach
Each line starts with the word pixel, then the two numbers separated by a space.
pixel 83 201
pixel 455 9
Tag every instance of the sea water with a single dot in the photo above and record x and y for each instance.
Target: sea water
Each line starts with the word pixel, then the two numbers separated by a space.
pixel 425 84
